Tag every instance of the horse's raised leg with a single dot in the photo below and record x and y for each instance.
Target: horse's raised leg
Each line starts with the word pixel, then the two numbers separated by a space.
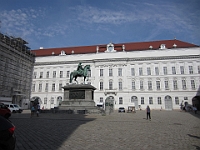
pixel 71 77
pixel 75 79
pixel 84 79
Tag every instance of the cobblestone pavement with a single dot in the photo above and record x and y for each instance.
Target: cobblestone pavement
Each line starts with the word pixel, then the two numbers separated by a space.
pixel 168 130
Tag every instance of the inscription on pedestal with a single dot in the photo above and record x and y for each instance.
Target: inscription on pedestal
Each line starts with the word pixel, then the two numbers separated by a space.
pixel 78 94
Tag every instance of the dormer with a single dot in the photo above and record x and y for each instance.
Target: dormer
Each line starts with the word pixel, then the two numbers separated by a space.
pixel 162 46
pixel 110 48
pixel 62 53
pixel 174 45
pixel 150 47
pixel 123 48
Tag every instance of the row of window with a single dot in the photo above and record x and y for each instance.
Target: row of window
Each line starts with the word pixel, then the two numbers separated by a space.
pixel 120 72
pixel 150 100
pixel 149 71
pixel 142 101
pixel 120 87
pixel 150 86
pixel 61 74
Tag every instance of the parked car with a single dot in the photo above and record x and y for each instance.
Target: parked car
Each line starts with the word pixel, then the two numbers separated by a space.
pixel 14 108
pixel 121 109
pixel 4 111
pixel 7 136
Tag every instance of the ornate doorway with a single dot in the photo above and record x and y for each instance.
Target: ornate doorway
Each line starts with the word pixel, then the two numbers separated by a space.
pixel 109 104
pixel 168 102
pixel 134 100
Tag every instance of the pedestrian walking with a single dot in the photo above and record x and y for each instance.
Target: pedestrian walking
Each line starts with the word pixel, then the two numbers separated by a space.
pixel 32 111
pixel 148 110
pixel 38 109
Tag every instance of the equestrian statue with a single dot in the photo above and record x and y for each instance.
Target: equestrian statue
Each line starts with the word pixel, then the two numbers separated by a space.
pixel 80 72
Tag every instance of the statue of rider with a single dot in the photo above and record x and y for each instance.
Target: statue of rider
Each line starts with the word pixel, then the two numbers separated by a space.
pixel 80 68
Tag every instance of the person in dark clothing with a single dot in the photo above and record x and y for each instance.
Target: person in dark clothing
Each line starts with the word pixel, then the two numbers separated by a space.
pixel 148 110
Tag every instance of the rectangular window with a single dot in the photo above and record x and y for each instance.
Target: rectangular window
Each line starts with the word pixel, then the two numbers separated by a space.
pixel 119 71
pixel 150 100
pixel 120 100
pixel 46 87
pixel 89 73
pixel 156 70
pixel 47 75
pixel 110 85
pixel 175 84
pixel 101 72
pixel 185 98
pixel 60 86
pixel 101 86
pixel 158 85
pixel 198 69
pixel 40 87
pixel 173 70
pixel 182 69
pixel 165 70
pixel 132 71
pixel 149 85
pixel 41 74
pixel 53 87
pixel 141 85
pixel 68 72
pixel 101 100
pixel 184 84
pixel 120 85
pixel 192 84
pixel 45 100
pixel 142 100
pixel 110 72
pixel 54 74
pixel 176 101
pixel 35 75
pixel 159 101
pixel 148 71
pixel 61 74
pixel 166 85
pixel 190 70
pixel 133 85
pixel 33 88
pixel 52 100
pixel 140 71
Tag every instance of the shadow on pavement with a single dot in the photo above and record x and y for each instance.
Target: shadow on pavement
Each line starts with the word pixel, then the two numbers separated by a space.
pixel 48 131
pixel 194 136
pixel 197 115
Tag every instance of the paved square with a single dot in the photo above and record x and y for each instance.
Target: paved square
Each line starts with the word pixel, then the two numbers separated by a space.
pixel 170 130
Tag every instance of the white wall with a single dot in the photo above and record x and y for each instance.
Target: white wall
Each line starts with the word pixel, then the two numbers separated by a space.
pixel 126 61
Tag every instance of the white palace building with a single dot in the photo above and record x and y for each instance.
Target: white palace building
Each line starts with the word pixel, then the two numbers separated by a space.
pixel 162 74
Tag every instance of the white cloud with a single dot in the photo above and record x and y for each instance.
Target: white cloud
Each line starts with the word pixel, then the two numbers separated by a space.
pixel 103 16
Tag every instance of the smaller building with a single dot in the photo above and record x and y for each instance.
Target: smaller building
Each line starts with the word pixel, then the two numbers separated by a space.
pixel 16 61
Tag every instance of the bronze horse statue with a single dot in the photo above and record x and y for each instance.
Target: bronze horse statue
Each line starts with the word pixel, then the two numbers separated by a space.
pixel 80 73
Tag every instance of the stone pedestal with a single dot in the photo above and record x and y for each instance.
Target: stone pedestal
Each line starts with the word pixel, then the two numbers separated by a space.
pixel 79 98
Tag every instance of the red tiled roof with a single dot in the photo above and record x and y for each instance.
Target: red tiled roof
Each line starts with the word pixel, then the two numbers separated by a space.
pixel 133 46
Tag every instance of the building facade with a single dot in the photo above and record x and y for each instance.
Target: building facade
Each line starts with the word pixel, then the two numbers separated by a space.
pixel 16 61
pixel 161 74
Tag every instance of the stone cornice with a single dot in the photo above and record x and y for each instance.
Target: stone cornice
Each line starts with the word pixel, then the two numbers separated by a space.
pixel 120 59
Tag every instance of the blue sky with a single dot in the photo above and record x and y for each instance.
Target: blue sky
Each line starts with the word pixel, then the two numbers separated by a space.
pixel 64 23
